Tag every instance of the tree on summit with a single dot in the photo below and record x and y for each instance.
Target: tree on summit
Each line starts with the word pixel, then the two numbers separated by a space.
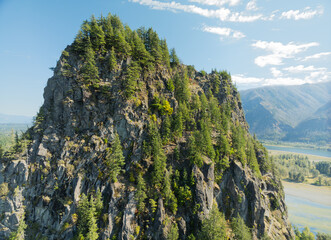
pixel 89 71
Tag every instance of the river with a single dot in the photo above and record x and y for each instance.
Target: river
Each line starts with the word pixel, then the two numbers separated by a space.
pixel 300 150
pixel 307 205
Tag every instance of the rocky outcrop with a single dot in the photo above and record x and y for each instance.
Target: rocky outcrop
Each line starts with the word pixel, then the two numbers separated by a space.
pixel 258 201
pixel 66 154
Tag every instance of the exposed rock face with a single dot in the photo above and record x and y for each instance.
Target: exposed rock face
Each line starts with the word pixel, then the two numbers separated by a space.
pixel 243 194
pixel 65 153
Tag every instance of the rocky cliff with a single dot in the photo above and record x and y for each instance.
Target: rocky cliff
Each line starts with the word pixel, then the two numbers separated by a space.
pixel 132 144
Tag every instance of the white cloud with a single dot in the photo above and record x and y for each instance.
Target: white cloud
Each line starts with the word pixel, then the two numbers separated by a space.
pixel 307 13
pixel 317 56
pixel 301 68
pixel 222 14
pixel 224 32
pixel 320 75
pixel 251 5
pixel 275 72
pixel 279 51
pixel 217 2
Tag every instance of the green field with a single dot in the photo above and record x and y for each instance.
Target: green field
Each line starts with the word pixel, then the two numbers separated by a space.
pixel 311 157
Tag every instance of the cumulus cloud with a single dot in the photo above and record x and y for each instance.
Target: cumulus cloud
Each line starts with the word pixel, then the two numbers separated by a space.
pixel 275 72
pixel 279 51
pixel 251 5
pixel 317 56
pixel 217 2
pixel 307 13
pixel 301 68
pixel 224 32
pixel 223 14
pixel 242 80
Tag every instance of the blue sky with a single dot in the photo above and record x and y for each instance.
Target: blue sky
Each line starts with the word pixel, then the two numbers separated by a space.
pixel 259 42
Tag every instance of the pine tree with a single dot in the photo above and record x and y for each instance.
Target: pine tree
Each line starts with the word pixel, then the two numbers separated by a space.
pixel 240 230
pixel 165 130
pixel 194 150
pixel 214 226
pixel 82 40
pixel 182 91
pixel 159 158
pixel 116 23
pixel 165 53
pixel 92 226
pixel 131 79
pixel 139 51
pixel 98 203
pixel 170 200
pixel 141 193
pixel 153 43
pixel 205 141
pixel 115 159
pixel 173 232
pixel 174 60
pixel 83 210
pixel 89 71
pixel 177 125
pixel 251 157
pixel 108 30
pixel 97 35
pixel 112 60
pixel 121 45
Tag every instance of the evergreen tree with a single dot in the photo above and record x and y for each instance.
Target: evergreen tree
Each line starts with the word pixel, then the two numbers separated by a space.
pixel 108 30
pixel 153 45
pixel 112 60
pixel 182 91
pixel 83 210
pixel 251 157
pixel 215 112
pixel 177 125
pixel 240 230
pixel 170 85
pixel 116 23
pixel 139 51
pixel 204 139
pixel 170 200
pixel 173 232
pixel 98 203
pixel 196 103
pixel 165 130
pixel 159 158
pixel 165 53
pixel 92 226
pixel 97 35
pixel 174 60
pixel 238 143
pixel 115 159
pixel 182 108
pixel 122 47
pixel 141 193
pixel 131 79
pixel 89 71
pixel 215 82
pixel 194 150
pixel 214 226
pixel 82 40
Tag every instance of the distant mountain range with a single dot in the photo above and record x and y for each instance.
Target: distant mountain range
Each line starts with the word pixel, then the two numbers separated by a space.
pixel 289 113
pixel 5 118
